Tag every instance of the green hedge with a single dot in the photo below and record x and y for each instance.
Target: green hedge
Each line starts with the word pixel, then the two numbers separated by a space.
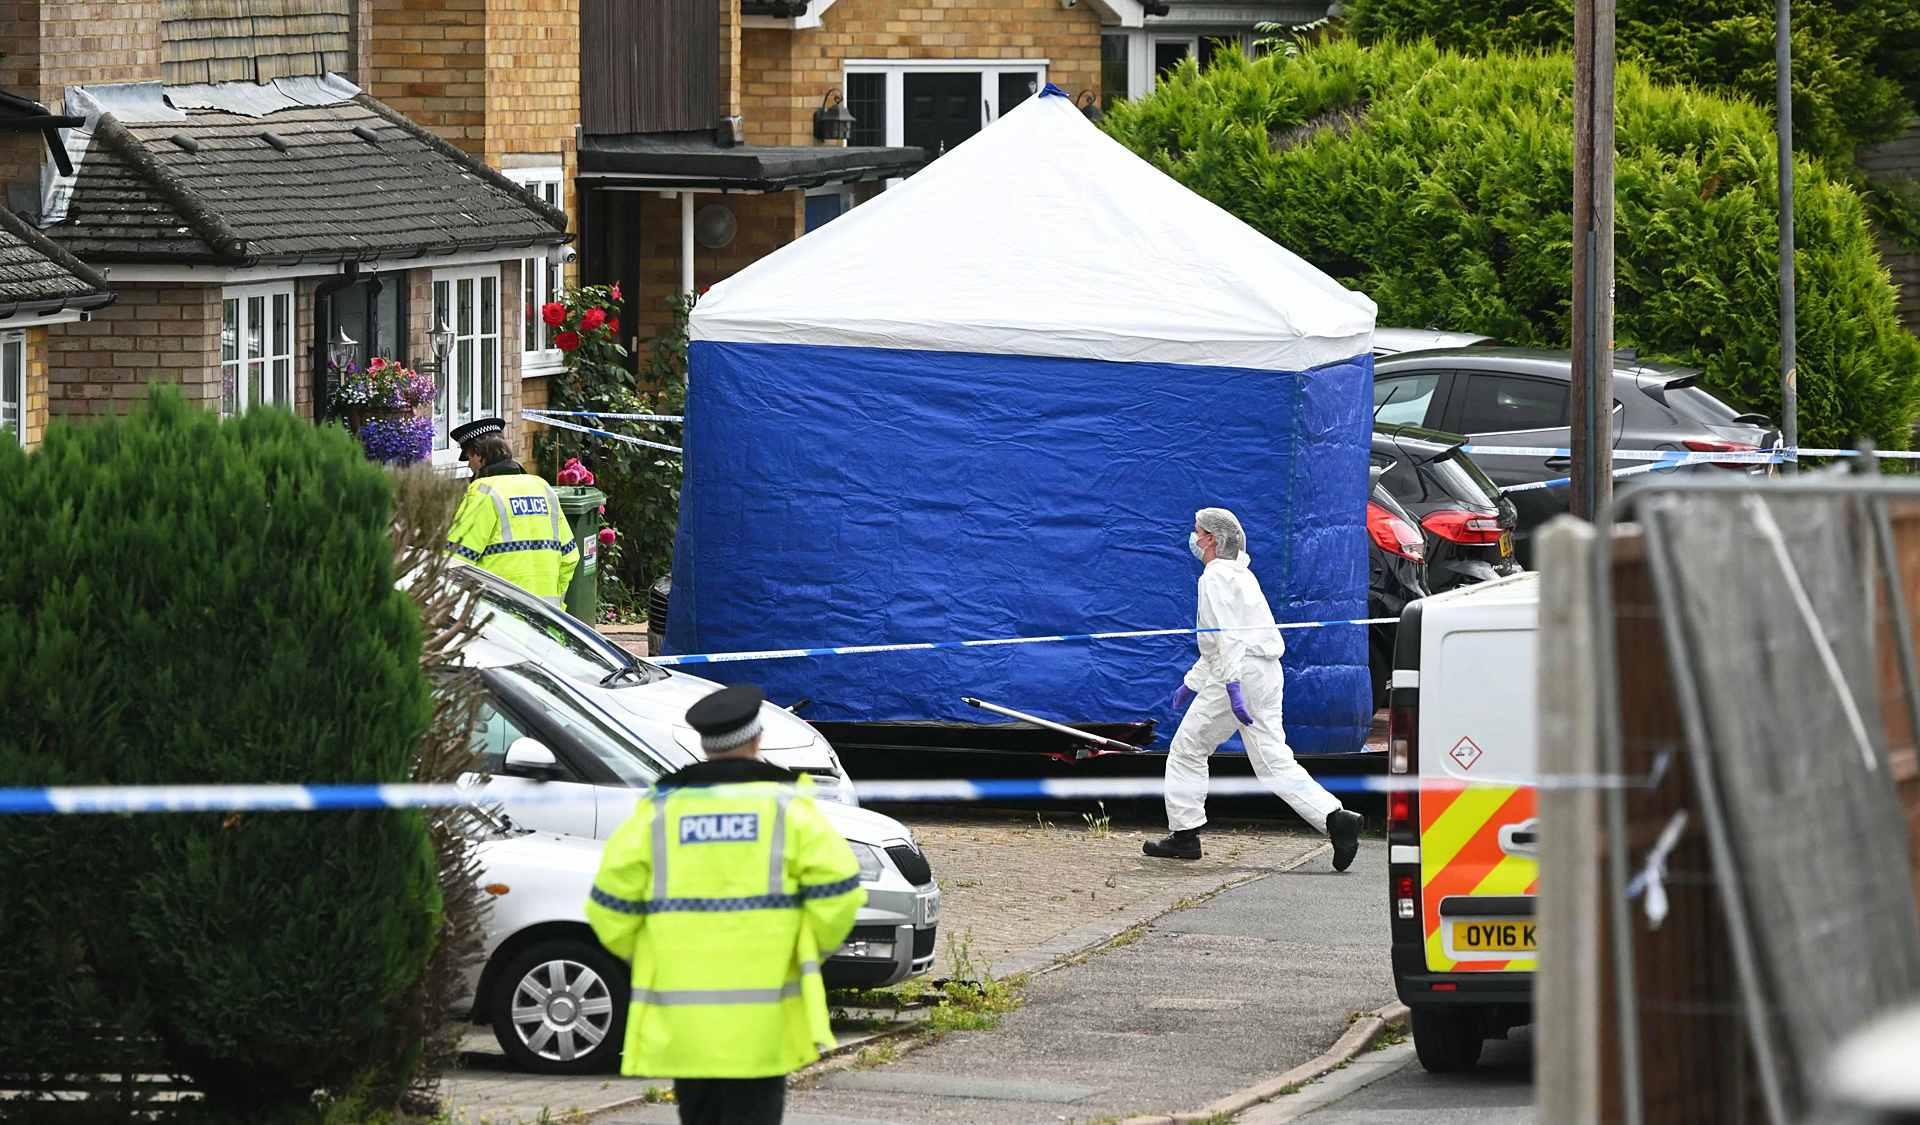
pixel 1856 63
pixel 185 600
pixel 1441 186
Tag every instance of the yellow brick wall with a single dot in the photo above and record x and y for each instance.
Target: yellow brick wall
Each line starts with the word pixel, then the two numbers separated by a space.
pixel 155 332
pixel 96 41
pixel 429 62
pixel 532 82
pixel 766 223
pixel 33 424
pixel 730 32
pixel 785 73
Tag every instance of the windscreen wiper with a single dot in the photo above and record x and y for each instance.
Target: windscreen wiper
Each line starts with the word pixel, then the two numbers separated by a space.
pixel 614 677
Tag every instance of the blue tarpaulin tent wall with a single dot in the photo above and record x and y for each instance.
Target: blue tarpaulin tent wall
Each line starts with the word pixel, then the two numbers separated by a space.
pixel 987 404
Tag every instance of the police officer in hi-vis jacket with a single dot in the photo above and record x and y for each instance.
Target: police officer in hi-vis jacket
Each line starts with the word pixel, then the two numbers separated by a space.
pixel 723 890
pixel 510 521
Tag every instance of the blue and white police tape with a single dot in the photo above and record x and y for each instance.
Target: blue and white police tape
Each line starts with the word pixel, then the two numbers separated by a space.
pixel 603 414
pixel 544 420
pixel 77 800
pixel 917 646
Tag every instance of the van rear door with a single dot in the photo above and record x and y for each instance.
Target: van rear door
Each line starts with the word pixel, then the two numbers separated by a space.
pixel 1478 866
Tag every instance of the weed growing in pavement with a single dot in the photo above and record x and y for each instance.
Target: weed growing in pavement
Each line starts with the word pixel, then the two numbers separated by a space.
pixel 1388 1036
pixel 1099 827
pixel 655 1095
pixel 880 1054
pixel 1289 1088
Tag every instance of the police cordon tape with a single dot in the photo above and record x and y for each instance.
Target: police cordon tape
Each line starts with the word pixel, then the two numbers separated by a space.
pixel 96 799
pixel 543 419
pixel 922 646
pixel 603 414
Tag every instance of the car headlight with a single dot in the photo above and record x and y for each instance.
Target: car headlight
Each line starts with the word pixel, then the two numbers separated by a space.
pixel 872 866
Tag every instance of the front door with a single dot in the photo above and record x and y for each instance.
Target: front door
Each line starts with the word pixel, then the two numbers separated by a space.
pixel 941 110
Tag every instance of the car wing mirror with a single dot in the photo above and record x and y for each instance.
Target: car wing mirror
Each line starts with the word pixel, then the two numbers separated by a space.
pixel 529 757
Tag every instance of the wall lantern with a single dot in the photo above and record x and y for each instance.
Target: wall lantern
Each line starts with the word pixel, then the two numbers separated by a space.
pixel 1089 103
pixel 441 339
pixel 342 349
pixel 832 121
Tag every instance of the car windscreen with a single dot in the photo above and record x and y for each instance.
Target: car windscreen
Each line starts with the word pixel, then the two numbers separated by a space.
pixel 534 692
pixel 540 631
pixel 1697 405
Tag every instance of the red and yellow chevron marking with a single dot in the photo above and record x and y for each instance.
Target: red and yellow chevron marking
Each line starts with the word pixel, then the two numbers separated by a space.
pixel 1460 855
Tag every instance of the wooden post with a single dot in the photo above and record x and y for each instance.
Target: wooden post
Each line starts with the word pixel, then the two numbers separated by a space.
pixel 1567 983
pixel 1591 407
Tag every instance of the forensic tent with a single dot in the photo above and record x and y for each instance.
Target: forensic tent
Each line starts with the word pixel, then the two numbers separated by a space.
pixel 987 404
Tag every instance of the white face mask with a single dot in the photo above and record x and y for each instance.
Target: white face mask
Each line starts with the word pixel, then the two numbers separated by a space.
pixel 1193 545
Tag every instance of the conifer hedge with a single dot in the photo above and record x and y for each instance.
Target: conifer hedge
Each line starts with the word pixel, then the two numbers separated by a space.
pixel 1441 186
pixel 185 600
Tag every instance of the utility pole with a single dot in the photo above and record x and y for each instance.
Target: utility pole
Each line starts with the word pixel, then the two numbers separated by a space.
pixel 1591 407
pixel 1783 128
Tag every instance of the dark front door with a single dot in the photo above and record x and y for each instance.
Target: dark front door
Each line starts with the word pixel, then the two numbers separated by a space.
pixel 942 110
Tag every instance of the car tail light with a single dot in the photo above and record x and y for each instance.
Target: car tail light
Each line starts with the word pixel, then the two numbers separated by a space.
pixel 1403 762
pixel 1457 526
pixel 1723 447
pixel 1393 534
pixel 1403 901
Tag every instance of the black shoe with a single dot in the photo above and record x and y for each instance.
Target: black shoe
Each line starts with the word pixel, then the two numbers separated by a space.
pixel 1184 844
pixel 1343 828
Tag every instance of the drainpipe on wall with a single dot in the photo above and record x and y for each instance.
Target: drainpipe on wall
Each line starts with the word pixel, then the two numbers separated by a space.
pixel 322 332
pixel 686 243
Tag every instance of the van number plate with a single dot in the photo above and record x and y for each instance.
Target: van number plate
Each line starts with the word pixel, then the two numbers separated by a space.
pixel 1493 937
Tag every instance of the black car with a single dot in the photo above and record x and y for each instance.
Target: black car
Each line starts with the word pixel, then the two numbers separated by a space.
pixel 1520 397
pixel 1468 526
pixel 1396 575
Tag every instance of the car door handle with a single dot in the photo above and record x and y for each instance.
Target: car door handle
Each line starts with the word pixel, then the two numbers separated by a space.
pixel 1559 464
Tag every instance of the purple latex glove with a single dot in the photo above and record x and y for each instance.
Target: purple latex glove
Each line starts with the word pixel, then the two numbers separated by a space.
pixel 1239 704
pixel 1182 697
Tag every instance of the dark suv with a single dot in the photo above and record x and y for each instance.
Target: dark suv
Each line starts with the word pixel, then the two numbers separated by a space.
pixel 1520 397
pixel 1468 525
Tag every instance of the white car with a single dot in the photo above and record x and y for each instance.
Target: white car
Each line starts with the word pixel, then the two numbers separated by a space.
pixel 1393 341
pixel 647 699
pixel 567 775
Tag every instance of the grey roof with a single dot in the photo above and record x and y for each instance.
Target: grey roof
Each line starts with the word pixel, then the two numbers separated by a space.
pixel 695 160
pixel 294 185
pixel 37 277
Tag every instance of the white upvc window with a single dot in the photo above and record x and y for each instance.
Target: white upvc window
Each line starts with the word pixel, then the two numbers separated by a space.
pixel 542 281
pixel 1003 84
pixel 13 386
pixel 256 346
pixel 468 301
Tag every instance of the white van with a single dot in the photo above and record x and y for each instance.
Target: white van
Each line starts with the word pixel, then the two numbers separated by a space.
pixel 1461 859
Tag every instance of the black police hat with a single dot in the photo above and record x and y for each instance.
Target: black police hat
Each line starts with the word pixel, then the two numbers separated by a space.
pixel 478 428
pixel 727 718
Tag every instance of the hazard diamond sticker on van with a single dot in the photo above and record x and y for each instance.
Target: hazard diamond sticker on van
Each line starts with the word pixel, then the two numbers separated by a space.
pixel 1465 752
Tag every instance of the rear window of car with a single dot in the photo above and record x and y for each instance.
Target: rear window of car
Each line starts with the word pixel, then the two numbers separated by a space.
pixel 1464 480
pixel 1696 405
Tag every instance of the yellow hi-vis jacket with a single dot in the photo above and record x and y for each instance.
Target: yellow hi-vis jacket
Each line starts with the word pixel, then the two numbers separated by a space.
pixel 511 524
pixel 722 897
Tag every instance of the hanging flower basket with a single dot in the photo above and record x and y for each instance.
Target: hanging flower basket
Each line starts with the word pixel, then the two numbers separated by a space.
pixel 385 405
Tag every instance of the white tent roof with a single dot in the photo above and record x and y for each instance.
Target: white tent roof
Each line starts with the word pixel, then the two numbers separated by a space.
pixel 1041 235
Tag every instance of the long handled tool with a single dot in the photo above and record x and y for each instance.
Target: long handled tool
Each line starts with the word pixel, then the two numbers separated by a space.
pixel 1106 744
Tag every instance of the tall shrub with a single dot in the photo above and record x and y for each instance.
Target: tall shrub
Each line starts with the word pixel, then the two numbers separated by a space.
pixel 642 483
pixel 185 601
pixel 1441 186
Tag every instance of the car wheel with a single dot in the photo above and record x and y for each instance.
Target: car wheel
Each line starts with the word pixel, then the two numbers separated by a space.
pixel 560 1007
pixel 1448 1042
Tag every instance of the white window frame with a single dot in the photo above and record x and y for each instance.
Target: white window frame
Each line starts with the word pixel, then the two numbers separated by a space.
pixel 13 384
pixel 540 279
pixel 274 357
pixel 896 71
pixel 466 360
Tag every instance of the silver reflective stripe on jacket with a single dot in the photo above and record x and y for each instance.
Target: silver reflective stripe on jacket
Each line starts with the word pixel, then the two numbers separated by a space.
pixel 500 505
pixel 676 997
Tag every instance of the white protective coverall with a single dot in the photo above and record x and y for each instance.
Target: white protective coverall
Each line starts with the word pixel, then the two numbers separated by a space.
pixel 1230 596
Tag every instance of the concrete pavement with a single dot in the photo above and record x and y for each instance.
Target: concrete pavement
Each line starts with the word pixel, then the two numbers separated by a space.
pixel 1210 999
pixel 1399 1092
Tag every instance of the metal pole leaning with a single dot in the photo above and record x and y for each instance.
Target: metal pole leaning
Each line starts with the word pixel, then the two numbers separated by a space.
pixel 1783 135
pixel 1726 876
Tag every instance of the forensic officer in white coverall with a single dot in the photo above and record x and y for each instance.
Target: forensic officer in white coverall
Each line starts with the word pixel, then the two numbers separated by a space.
pixel 1237 684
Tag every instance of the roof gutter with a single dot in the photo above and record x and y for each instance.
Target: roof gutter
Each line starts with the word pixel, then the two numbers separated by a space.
pixel 83 302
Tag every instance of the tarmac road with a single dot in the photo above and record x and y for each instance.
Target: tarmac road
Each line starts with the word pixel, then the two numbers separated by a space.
pixel 1500 1092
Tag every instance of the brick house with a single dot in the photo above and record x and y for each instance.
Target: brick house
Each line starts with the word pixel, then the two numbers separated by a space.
pixel 257 205
pixel 40 285
pixel 1134 52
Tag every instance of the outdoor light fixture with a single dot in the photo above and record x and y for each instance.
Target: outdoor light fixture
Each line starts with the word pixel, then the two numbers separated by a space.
pixel 1089 103
pixel 832 121
pixel 342 349
pixel 442 340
